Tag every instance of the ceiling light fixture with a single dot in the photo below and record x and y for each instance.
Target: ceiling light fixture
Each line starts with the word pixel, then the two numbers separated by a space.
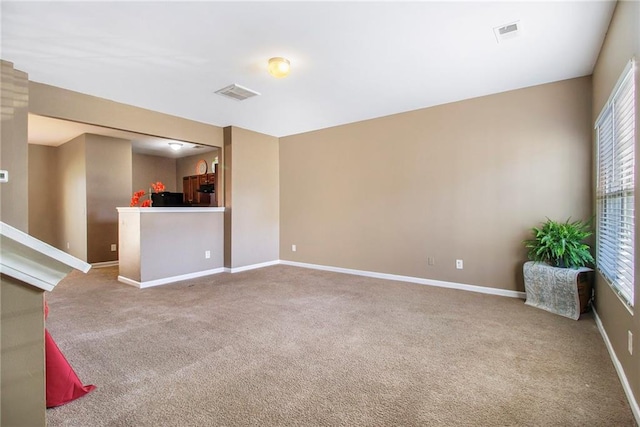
pixel 175 146
pixel 279 67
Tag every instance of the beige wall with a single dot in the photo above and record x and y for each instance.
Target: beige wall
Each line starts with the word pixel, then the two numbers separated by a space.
pixel 253 218
pixel 43 193
pixel 148 169
pixel 228 201
pixel 74 190
pixel 192 233
pixel 14 203
pixel 465 180
pixel 22 372
pixel 72 198
pixel 621 44
pixel 22 377
pixel 149 255
pixel 108 185
pixel 129 240
pixel 51 101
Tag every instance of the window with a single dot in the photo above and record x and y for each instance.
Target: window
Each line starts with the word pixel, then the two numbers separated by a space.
pixel 615 135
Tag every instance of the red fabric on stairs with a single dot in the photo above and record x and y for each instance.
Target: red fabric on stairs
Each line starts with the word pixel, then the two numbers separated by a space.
pixel 63 385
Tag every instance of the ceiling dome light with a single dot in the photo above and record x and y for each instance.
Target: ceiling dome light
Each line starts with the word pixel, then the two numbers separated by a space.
pixel 279 67
pixel 175 146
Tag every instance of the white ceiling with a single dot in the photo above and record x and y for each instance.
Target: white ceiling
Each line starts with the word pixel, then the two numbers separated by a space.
pixel 350 61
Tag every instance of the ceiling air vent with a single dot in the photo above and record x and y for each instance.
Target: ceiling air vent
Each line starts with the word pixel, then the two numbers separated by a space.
pixel 237 92
pixel 508 31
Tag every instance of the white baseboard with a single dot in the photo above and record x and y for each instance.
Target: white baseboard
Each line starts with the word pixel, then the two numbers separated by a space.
pixel 252 266
pixel 410 279
pixel 104 264
pixel 635 408
pixel 167 280
pixel 373 274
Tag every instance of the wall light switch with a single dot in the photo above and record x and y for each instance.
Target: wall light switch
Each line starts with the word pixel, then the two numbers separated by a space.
pixel 4 176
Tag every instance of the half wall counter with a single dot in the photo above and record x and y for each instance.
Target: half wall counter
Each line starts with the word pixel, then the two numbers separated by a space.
pixel 165 245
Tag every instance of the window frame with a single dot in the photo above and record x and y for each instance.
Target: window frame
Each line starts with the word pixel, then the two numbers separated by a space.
pixel 615 188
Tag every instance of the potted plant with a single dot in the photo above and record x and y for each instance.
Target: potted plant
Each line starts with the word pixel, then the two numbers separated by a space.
pixel 561 244
pixel 557 277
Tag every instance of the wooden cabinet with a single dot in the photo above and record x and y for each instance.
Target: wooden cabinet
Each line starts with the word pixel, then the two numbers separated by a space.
pixel 189 189
pixel 192 186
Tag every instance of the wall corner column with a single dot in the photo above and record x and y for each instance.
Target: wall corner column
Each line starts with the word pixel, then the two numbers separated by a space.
pixel 14 203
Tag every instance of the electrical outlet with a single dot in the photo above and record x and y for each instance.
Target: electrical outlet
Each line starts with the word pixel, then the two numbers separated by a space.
pixel 293 248
pixel 459 264
pixel 4 176
pixel 113 247
pixel 431 260
pixel 207 254
pixel 67 245
pixel 630 342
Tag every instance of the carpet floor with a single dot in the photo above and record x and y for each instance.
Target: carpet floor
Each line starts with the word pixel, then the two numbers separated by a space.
pixel 282 346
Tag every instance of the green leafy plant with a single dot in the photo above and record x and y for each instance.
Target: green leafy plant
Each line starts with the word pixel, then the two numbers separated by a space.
pixel 560 244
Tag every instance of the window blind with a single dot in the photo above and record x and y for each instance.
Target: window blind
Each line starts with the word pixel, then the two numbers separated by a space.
pixel 615 133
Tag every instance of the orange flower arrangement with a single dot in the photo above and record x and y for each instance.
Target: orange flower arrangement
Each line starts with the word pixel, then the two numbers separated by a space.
pixel 158 187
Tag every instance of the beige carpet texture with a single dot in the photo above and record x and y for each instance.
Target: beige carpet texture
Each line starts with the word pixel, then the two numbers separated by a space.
pixel 287 346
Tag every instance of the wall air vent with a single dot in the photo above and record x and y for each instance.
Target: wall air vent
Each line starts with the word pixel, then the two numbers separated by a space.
pixel 508 31
pixel 237 92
